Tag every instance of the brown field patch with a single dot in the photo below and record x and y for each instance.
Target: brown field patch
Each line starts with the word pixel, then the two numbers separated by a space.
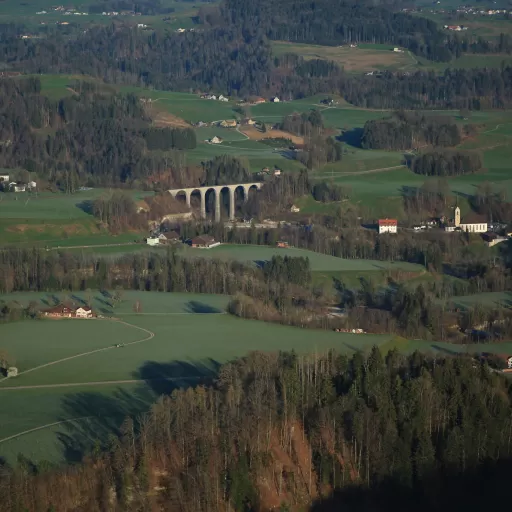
pixel 163 119
pixel 255 134
pixel 352 59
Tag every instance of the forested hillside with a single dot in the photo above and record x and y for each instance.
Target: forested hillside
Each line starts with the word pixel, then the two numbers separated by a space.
pixel 288 432
pixel 90 138
pixel 238 37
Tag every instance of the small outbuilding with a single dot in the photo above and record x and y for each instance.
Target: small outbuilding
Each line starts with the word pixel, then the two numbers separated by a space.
pixel 12 371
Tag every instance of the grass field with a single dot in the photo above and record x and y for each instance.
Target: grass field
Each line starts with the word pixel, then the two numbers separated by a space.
pixel 54 219
pixel 318 262
pixel 71 405
pixel 188 344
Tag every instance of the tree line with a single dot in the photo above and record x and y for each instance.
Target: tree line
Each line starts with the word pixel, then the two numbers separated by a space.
pixel 409 130
pixel 324 431
pixel 446 163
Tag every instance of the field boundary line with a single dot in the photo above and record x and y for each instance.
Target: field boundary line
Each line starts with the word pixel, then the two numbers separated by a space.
pixel 19 434
pixel 99 383
pixel 150 336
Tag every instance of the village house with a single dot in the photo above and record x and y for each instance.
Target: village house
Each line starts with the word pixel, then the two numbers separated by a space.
pixel 294 209
pixel 153 240
pixel 492 239
pixel 282 244
pixel 228 123
pixel 257 101
pixel 83 312
pixel 18 187
pixel 4 177
pixel 398 50
pixel 223 98
pixel 275 99
pixel 204 242
pixel 59 311
pixel 388 226
pixel 277 172
pixel 171 237
pixel 472 223
pixel 215 140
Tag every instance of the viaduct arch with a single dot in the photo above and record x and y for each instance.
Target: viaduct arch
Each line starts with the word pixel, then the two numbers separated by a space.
pixel 218 190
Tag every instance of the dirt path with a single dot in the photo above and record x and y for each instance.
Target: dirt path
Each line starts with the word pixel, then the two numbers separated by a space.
pixel 357 173
pixel 150 336
pixel 43 427
pixel 96 383
pixel 58 248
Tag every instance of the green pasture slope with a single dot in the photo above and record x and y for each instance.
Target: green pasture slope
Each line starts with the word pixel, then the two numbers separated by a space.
pixel 191 338
pixel 54 220
pixel 318 261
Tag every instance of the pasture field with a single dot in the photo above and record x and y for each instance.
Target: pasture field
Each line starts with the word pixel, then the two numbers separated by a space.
pixel 55 219
pixel 319 262
pixel 190 340
pixel 357 60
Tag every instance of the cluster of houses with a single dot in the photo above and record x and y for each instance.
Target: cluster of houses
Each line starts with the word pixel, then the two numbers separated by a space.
pixel 64 311
pixel 213 96
pixel 472 223
pixel 168 238
pixel 267 172
pixel 171 237
pixel 16 186
pixel 455 28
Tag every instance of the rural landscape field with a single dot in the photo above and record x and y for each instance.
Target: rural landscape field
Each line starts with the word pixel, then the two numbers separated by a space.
pixel 255 256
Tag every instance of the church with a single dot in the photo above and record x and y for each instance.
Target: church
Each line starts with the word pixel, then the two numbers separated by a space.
pixel 472 223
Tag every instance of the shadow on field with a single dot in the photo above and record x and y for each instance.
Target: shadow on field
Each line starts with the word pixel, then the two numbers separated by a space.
pixel 86 206
pixel 352 137
pixel 194 306
pixel 101 416
pixel 164 378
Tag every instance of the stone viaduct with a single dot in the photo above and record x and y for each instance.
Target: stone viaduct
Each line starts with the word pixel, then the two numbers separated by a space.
pixel 218 191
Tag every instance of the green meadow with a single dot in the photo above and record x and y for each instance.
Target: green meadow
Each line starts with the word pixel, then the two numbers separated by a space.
pixel 59 411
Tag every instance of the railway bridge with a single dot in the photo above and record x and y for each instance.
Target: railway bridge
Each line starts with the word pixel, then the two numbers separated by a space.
pixel 246 187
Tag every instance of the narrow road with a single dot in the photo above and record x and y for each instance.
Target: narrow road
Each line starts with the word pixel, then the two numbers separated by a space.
pixel 43 427
pixel 357 173
pixel 150 336
pixel 98 383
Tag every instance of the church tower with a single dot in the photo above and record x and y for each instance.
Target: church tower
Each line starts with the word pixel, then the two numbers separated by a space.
pixel 457 217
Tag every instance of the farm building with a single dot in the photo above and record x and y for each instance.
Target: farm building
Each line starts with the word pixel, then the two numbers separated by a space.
pixel 257 101
pixel 59 311
pixel 204 242
pixel 282 244
pixel 153 240
pixel 12 371
pixel 388 226
pixel 18 186
pixel 83 312
pixel 228 123
pixel 169 237
pixel 294 209
pixel 4 177
pixel 215 140
pixel 275 99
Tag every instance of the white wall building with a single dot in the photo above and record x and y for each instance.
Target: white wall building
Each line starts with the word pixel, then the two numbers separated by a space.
pixel 388 226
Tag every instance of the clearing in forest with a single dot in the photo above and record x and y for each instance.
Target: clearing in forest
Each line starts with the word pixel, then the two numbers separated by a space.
pixel 377 57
